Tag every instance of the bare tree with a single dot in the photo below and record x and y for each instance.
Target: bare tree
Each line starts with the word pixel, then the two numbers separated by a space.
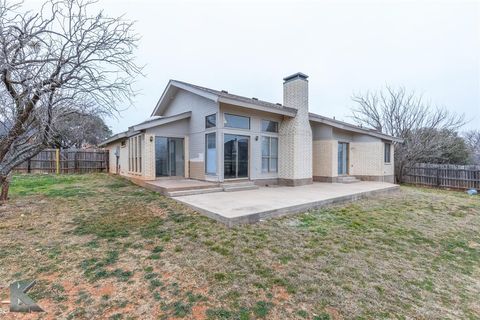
pixel 404 114
pixel 472 139
pixel 77 130
pixel 56 62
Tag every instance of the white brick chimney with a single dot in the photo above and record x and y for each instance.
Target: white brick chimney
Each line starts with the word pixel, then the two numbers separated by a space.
pixel 295 134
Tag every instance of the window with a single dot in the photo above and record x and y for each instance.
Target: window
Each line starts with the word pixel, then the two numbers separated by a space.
pixel 387 153
pixel 233 121
pixel 135 154
pixel 210 153
pixel 269 154
pixel 211 121
pixel 269 126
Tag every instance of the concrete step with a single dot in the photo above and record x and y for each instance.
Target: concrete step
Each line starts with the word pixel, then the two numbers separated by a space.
pixel 193 191
pixel 347 179
pixel 238 186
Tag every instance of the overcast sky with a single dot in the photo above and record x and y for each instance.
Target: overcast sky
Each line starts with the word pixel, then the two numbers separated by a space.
pixel 345 47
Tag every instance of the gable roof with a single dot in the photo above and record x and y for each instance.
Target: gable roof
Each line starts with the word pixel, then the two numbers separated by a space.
pixel 228 98
pixel 351 127
pixel 152 122
pixel 222 97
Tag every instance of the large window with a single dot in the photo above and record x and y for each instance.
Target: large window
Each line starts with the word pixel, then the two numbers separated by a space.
pixel 269 126
pixel 269 154
pixel 210 153
pixel 387 153
pixel 234 121
pixel 135 154
pixel 211 121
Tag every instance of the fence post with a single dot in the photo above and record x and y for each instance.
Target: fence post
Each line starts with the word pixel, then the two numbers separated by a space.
pixel 75 161
pixel 438 176
pixel 107 160
pixel 57 160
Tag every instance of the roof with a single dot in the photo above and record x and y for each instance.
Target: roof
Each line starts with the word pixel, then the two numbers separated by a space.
pixel 115 137
pixel 223 97
pixel 158 121
pixel 152 122
pixel 351 127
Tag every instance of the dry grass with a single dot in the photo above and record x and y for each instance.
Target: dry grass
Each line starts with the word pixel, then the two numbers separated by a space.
pixel 101 247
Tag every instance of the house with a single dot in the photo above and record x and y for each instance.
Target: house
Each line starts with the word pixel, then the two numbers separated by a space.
pixel 204 134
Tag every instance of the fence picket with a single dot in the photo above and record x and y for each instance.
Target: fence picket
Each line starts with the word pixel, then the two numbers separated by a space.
pixel 443 175
pixel 71 161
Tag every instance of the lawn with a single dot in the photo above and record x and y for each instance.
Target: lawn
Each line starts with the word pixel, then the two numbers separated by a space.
pixel 101 247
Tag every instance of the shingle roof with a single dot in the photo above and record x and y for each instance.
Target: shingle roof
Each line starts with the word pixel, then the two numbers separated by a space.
pixel 227 95
pixel 351 127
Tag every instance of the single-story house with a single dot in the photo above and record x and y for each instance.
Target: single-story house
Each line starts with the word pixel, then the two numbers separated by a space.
pixel 204 134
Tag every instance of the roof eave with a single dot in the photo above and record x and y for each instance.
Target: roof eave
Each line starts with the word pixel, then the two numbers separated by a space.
pixel 283 111
pixel 116 137
pixel 162 121
pixel 351 127
pixel 161 104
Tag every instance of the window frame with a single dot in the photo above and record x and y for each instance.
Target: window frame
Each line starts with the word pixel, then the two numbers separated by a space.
pixel 266 120
pixel 236 115
pixel 135 154
pixel 206 152
pixel 269 157
pixel 387 156
pixel 215 120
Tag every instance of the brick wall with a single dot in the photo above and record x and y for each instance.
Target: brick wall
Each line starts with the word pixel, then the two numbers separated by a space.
pixel 325 158
pixel 295 134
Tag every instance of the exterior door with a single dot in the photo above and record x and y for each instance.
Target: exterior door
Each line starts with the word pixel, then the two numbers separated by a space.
pixel 235 156
pixel 169 157
pixel 342 158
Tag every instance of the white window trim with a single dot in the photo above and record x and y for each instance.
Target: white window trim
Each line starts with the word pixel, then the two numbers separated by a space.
pixel 270 120
pixel 236 115
pixel 389 153
pixel 269 157
pixel 135 154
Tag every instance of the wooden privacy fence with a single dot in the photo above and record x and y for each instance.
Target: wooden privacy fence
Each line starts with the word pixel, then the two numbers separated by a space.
pixel 66 161
pixel 443 175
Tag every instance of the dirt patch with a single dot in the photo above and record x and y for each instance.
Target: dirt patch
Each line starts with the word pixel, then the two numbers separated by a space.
pixel 199 312
pixel 120 250
pixel 334 313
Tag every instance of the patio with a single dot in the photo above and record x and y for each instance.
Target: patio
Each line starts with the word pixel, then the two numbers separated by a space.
pixel 171 186
pixel 250 206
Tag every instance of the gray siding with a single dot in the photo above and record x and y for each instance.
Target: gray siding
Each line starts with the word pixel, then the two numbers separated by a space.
pixel 177 129
pixel 185 101
pixel 321 131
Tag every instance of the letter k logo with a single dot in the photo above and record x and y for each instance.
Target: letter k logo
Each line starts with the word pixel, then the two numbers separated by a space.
pixel 19 301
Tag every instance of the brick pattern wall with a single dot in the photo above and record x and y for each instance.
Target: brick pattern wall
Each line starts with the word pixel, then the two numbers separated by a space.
pixel 149 157
pixel 197 170
pixel 295 134
pixel 366 158
pixel 324 158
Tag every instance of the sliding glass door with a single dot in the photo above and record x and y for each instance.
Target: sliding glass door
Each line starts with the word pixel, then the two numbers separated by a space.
pixel 342 158
pixel 169 157
pixel 235 160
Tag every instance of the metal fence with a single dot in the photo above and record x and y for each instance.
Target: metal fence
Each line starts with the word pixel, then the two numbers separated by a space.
pixel 443 175
pixel 66 161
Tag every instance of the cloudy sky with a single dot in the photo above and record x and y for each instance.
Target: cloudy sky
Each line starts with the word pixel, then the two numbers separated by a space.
pixel 432 47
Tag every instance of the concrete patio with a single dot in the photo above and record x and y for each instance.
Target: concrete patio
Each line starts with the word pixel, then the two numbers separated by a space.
pixel 242 207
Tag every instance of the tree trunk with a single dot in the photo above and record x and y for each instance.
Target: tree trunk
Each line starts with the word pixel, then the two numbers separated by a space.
pixel 5 184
